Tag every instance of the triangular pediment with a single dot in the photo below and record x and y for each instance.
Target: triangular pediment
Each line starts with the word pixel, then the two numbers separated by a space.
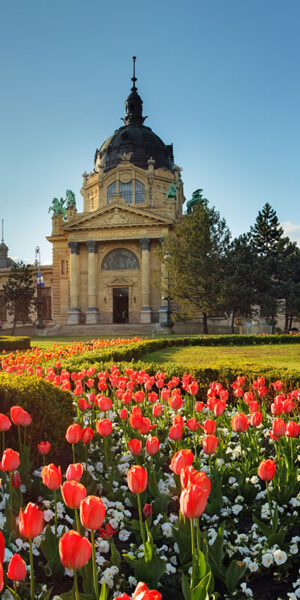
pixel 116 214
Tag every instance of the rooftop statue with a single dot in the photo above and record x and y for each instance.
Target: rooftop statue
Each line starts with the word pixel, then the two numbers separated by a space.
pixel 70 199
pixel 196 198
pixel 172 191
pixel 58 207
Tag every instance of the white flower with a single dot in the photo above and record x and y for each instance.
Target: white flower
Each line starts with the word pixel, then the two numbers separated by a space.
pixel 48 515
pixel 167 529
pixel 246 590
pixel 158 518
pixel 267 559
pixel 236 509
pixel 103 546
pixel 253 566
pixel 170 569
pixel 124 535
pixel 294 549
pixel 132 580
pixel 280 557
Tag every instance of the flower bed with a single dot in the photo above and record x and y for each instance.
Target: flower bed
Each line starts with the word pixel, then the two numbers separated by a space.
pixel 150 444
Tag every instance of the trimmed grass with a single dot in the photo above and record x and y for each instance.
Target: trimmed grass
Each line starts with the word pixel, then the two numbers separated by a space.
pixel 282 356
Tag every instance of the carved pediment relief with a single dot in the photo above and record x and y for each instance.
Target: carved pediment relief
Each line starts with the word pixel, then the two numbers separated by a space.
pixel 116 214
pixel 119 282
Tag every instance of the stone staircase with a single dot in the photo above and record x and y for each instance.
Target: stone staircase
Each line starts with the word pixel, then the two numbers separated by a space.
pixel 103 330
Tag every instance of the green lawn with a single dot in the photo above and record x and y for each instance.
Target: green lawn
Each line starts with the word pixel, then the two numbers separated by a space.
pixel 48 342
pixel 285 356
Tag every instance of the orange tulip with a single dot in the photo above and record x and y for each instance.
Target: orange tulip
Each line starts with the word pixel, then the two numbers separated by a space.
pixel 193 501
pixel 10 460
pixel 209 444
pixel 5 423
pixel 92 512
pixel 239 422
pixel 137 479
pixel 74 550
pixel 72 493
pixel 16 568
pixel 51 476
pixel 19 416
pixel 31 521
pixel 104 427
pixel 266 470
pixel 181 459
pixel 135 446
pixel 73 433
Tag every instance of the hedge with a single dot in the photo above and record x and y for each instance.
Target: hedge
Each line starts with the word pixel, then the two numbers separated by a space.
pixel 139 349
pixel 9 343
pixel 50 407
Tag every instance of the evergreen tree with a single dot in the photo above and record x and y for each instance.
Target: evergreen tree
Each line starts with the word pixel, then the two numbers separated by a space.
pixel 19 293
pixel 195 260
pixel 241 266
pixel 270 247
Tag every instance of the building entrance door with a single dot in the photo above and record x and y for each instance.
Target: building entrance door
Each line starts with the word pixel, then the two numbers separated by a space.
pixel 120 305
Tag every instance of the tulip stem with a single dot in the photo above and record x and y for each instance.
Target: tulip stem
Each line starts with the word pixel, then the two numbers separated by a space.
pixel 95 578
pixel 105 453
pixel 77 520
pixel 198 533
pixel 25 429
pixel 193 551
pixel 55 515
pixel 73 450
pixel 3 441
pixel 10 491
pixel 141 520
pixel 292 453
pixel 31 571
pixel 19 436
pixel 76 585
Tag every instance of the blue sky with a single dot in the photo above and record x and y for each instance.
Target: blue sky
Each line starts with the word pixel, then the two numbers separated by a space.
pixel 219 79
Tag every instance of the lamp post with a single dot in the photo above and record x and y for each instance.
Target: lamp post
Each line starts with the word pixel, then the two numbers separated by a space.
pixel 39 284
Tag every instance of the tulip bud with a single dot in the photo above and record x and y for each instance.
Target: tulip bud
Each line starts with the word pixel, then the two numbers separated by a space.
pixel 16 568
pixel 92 512
pixel 73 433
pixel 10 460
pixel 44 447
pixel 152 445
pixel 209 444
pixel 147 510
pixel 193 501
pixel 5 423
pixel 31 521
pixel 74 550
pixel 15 480
pixel 74 472
pixel 266 470
pixel 137 479
pixel 180 460
pixel 72 493
pixel 135 446
pixel 104 427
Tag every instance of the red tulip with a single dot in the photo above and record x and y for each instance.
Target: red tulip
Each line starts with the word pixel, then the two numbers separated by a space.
pixel 5 423
pixel 292 429
pixel 180 460
pixel 210 426
pixel 104 403
pixel 87 435
pixel 92 512
pixel 72 493
pixel 51 476
pixel 16 568
pixel 44 447
pixel 74 550
pixel 193 501
pixel 279 427
pixel 157 410
pixel 2 547
pixel 136 418
pixel 219 407
pixel 175 432
pixel 193 424
pixel 189 476
pixel 74 472
pixel 73 433
pixel 147 510
pixel 135 446
pixel 209 444
pixel 31 521
pixel 15 480
pixel 123 414
pixel 199 406
pixel 152 445
pixel 106 532
pixel 256 419
pixel 137 479
pixel 239 422
pixel 104 427
pixel 142 592
pixel 19 416
pixel 123 597
pixel 1 578
pixel 10 460
pixel 266 470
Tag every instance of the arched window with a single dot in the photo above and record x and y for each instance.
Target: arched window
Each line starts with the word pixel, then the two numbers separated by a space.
pixel 111 191
pixel 139 192
pixel 126 191
pixel 119 260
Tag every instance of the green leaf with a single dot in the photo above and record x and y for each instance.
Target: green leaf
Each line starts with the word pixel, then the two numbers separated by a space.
pixel 46 595
pixel 235 572
pixel 199 592
pixel 14 594
pixel 265 529
pixel 87 578
pixel 186 587
pixel 49 545
pixel 103 593
pixel 199 566
pixel 216 550
pixel 277 538
pixel 115 556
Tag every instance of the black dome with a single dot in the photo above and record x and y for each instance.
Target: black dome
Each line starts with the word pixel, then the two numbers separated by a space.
pixel 134 139
pixel 141 142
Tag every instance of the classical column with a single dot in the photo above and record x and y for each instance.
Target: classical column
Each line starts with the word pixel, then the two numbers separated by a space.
pixel 74 312
pixel 92 313
pixel 145 283
pixel 164 302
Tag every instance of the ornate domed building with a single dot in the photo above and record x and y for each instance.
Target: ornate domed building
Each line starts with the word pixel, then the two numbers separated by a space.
pixel 105 263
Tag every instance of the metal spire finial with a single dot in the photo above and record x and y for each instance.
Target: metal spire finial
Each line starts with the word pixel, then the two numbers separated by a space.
pixel 133 79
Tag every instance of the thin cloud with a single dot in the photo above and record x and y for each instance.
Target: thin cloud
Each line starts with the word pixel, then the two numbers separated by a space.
pixel 292 231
